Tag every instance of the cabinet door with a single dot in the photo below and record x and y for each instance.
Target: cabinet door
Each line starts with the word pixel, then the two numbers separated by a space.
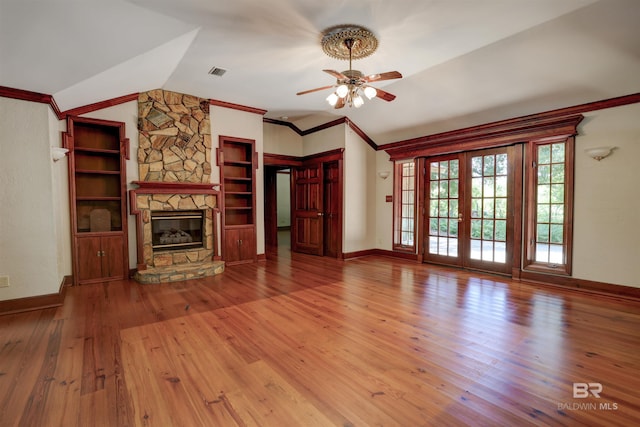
pixel 112 257
pixel 247 244
pixel 89 260
pixel 239 245
pixel 231 249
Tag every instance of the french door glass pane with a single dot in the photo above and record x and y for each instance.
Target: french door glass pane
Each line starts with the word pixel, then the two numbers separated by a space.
pixel 500 251
pixel 443 207
pixel 489 208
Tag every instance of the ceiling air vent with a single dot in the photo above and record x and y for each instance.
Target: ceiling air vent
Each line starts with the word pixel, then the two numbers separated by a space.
pixel 216 71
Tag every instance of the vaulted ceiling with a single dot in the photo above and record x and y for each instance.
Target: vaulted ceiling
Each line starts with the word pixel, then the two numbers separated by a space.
pixel 464 62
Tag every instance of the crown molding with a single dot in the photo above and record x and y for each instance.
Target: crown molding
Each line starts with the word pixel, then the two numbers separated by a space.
pixel 239 107
pixel 497 132
pixel 27 95
pixel 290 125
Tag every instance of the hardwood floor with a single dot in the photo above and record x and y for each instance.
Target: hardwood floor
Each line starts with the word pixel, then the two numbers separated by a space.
pixel 309 341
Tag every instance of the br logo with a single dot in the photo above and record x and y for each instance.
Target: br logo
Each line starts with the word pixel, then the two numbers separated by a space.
pixel 583 390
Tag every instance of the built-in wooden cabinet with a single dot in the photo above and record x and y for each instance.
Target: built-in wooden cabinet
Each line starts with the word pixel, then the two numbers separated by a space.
pixel 98 151
pixel 100 258
pixel 239 244
pixel 238 162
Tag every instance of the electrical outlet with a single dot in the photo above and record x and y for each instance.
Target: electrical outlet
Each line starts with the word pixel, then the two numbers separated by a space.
pixel 4 281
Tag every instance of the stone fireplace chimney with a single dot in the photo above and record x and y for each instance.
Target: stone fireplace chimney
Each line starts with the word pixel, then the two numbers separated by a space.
pixel 174 165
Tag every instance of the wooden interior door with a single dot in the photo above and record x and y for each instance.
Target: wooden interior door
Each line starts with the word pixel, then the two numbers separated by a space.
pixel 307 226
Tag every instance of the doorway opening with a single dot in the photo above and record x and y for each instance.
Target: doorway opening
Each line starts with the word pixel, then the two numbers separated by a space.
pixel 303 204
pixel 277 190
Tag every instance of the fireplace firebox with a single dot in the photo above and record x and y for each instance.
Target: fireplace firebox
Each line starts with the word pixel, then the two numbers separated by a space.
pixel 177 230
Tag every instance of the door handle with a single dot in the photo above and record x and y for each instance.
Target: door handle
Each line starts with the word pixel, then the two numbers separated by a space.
pixel 320 214
pixel 460 217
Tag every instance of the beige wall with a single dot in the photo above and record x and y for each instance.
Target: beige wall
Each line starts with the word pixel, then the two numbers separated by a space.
pixel 60 183
pixel 360 189
pixel 282 140
pixel 384 209
pixel 283 193
pixel 607 198
pixel 29 223
pixel 324 140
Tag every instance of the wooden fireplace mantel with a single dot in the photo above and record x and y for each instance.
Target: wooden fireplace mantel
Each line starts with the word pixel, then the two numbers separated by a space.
pixel 157 187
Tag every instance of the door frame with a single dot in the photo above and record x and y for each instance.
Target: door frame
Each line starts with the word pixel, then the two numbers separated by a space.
pixel 273 162
pixel 291 162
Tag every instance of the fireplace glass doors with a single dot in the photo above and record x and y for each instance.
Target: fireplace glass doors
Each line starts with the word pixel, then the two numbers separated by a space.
pixel 177 230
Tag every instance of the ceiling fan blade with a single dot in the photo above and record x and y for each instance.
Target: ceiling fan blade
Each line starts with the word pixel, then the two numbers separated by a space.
pixel 336 74
pixel 385 95
pixel 314 90
pixel 340 103
pixel 383 76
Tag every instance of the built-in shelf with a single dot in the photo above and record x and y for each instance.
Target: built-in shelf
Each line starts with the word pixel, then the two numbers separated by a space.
pixel 97 185
pixel 238 162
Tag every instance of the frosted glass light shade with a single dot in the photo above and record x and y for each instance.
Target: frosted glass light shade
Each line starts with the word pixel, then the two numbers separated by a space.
pixel 370 92
pixel 598 153
pixel 342 91
pixel 332 99
pixel 58 153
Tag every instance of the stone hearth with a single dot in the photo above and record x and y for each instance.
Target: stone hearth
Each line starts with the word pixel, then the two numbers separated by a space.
pixel 180 272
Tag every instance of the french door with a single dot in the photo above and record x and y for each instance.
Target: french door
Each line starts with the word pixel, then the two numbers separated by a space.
pixel 469 215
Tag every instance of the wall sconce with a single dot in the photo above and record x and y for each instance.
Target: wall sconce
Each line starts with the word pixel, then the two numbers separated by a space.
pixel 58 153
pixel 384 174
pixel 599 153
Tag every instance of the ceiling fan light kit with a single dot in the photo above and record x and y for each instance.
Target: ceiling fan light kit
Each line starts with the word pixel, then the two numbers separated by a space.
pixel 352 42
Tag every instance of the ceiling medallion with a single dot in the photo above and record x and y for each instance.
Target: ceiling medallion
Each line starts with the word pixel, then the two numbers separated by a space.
pixel 334 41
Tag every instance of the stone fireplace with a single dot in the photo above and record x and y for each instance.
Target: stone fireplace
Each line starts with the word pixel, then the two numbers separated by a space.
pixel 174 202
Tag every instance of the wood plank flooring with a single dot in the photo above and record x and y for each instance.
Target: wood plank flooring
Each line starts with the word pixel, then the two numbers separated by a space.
pixel 307 341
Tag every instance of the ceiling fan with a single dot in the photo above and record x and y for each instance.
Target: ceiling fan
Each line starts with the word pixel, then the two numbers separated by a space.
pixel 352 84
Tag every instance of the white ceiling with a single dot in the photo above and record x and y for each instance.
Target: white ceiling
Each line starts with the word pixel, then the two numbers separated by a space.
pixel 465 62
